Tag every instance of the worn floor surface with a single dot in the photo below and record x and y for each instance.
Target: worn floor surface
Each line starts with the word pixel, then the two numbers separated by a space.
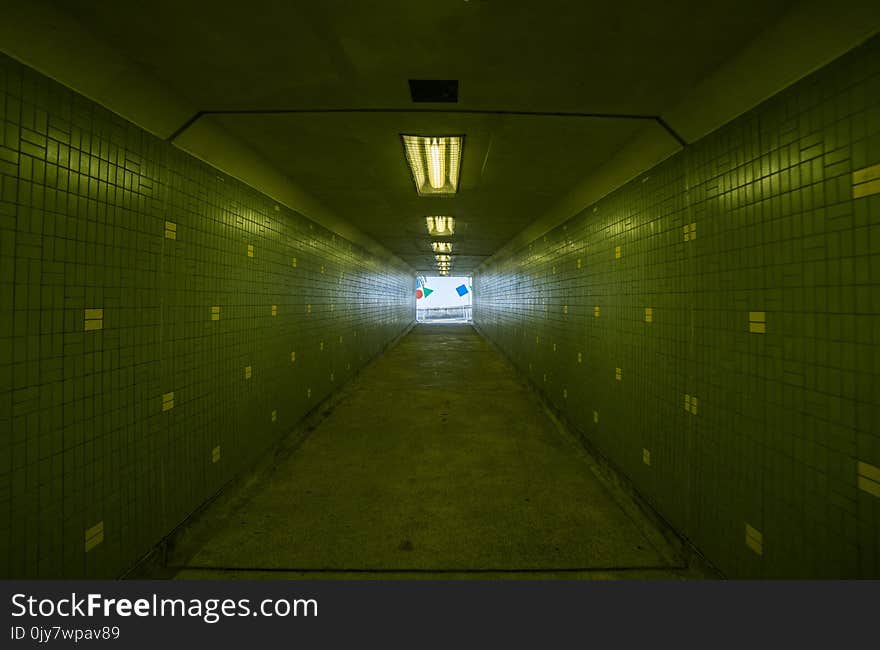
pixel 437 461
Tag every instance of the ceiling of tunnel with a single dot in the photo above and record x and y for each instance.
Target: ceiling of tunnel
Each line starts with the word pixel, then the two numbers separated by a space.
pixel 512 167
pixel 627 57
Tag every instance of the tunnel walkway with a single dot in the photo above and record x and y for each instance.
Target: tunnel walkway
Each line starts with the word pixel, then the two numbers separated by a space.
pixel 437 460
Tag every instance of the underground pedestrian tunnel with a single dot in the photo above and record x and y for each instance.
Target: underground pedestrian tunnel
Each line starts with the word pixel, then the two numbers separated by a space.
pixel 215 219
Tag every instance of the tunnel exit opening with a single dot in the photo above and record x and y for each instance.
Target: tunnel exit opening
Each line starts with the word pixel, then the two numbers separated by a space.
pixel 444 299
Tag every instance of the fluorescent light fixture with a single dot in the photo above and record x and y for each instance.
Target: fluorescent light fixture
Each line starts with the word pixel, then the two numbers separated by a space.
pixel 444 272
pixel 435 162
pixel 440 226
pixel 441 246
pixel 443 258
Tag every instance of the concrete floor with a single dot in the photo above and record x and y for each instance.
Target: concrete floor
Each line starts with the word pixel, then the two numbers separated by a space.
pixel 437 461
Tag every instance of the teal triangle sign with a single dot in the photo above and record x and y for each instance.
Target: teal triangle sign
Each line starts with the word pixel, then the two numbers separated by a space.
pixel 427 291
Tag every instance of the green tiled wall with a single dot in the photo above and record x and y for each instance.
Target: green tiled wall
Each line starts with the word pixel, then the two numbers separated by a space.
pixel 91 457
pixel 770 473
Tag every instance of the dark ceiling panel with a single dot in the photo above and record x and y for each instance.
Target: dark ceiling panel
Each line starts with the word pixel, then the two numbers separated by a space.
pixel 444 91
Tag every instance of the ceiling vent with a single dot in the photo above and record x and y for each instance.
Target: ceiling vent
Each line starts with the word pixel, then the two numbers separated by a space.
pixel 434 90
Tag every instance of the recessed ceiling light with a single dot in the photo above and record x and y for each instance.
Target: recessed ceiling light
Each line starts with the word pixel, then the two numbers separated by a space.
pixel 440 226
pixel 441 246
pixel 443 258
pixel 435 162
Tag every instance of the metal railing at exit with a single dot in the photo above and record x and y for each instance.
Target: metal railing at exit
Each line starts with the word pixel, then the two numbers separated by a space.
pixel 460 314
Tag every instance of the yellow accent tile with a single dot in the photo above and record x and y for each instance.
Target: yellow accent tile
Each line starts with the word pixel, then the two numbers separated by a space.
pixel 340 338
pixel 693 231
pixel 274 416
pixel 687 232
pixel 309 308
pixel 649 314
pixel 93 319
pixel 869 486
pixel 617 252
pixel 293 262
pixel 94 536
pixel 554 347
pixel 292 357
pixel 618 374
pixel 274 310
pixel 170 230
pixel 168 401
pixel 757 322
pixel 332 376
pixel 687 403
pixel 564 309
pixel 694 403
pixel 97 529
pixel 250 251
pixel 596 417
pixel 579 262
pixel 866 189
pixel 596 312
pixel 868 471
pixel 545 377
pixel 215 454
pixel 754 539
pixel 322 268
pixel 321 345
pixel 646 457
pixel 580 357
pixel 866 174
pixel 565 393
pixel 247 372
pixel 309 393
pixel 215 312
